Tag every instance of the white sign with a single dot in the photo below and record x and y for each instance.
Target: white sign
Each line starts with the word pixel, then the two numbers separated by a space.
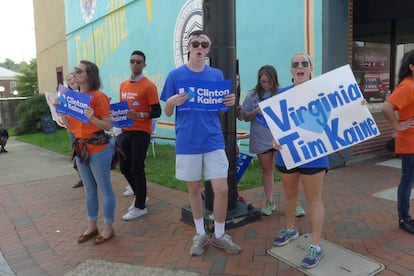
pixel 51 99
pixel 319 117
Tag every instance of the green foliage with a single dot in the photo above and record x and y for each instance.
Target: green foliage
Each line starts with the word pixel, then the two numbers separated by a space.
pixel 58 142
pixel 29 113
pixel 27 84
pixel 11 65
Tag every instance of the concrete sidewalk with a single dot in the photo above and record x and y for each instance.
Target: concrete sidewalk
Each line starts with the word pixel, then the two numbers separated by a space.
pixel 42 216
pixel 24 162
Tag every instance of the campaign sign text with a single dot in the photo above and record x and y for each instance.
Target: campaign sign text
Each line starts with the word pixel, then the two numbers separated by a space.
pixel 319 117
pixel 73 103
pixel 242 162
pixel 118 115
pixel 204 95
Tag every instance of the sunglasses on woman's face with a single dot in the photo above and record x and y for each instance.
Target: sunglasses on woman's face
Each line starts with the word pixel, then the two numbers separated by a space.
pixel 196 44
pixel 296 64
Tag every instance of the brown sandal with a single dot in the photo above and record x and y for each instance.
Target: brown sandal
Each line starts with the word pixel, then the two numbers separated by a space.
pixel 100 239
pixel 86 237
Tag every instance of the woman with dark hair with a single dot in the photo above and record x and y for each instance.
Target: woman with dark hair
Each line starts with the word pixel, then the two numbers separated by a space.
pixel 312 176
pixel 93 152
pixel 260 135
pixel 401 101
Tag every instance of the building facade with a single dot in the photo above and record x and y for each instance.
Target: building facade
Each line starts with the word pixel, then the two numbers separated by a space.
pixel 333 32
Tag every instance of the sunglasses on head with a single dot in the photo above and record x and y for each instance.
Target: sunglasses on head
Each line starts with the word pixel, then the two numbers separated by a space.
pixel 195 44
pixel 136 61
pixel 296 64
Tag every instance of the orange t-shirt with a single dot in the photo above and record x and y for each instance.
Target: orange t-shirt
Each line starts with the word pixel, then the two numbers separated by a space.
pixel 403 99
pixel 139 95
pixel 100 105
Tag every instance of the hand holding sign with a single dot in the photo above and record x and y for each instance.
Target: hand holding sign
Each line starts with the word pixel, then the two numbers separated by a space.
pixel 229 100
pixel 319 117
pixel 178 99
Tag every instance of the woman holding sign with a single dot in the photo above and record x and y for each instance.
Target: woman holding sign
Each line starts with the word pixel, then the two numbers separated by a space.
pixel 260 135
pixel 312 175
pixel 93 152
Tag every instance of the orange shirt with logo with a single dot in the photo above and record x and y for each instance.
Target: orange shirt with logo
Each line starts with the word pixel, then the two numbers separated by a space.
pixel 139 95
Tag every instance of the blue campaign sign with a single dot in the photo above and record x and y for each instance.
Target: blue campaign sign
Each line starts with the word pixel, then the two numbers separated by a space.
pixel 73 103
pixel 118 115
pixel 242 162
pixel 319 117
pixel 204 95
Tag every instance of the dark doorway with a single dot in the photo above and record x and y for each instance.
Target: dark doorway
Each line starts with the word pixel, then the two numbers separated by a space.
pixel 384 29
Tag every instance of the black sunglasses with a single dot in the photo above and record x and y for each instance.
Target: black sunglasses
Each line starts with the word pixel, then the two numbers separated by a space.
pixel 195 44
pixel 136 61
pixel 296 64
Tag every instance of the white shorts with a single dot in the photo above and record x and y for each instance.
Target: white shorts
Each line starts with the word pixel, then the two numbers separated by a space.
pixel 192 167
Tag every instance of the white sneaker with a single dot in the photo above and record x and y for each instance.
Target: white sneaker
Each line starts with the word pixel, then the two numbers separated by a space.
pixel 134 213
pixel 133 204
pixel 128 191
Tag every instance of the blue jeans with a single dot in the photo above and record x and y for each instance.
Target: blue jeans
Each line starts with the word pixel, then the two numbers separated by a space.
pixel 97 174
pixel 406 184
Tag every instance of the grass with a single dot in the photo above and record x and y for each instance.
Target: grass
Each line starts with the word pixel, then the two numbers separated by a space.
pixel 160 170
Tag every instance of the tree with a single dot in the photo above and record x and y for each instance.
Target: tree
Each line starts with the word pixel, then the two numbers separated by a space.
pixel 11 65
pixel 27 84
pixel 29 113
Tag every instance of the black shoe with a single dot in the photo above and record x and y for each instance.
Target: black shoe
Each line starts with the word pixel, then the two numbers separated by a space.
pixel 407 225
pixel 3 150
pixel 77 185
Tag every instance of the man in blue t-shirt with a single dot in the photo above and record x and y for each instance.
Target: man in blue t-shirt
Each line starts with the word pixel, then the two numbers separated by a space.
pixel 200 144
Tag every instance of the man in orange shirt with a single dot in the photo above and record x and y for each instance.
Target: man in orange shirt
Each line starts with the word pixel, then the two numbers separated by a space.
pixel 144 105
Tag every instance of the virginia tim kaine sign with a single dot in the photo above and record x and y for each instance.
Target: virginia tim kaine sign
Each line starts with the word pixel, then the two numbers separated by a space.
pixel 319 117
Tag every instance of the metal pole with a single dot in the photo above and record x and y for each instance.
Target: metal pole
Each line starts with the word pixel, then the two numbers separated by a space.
pixel 220 22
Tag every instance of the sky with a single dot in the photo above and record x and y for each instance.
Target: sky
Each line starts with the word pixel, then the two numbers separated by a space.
pixel 17 30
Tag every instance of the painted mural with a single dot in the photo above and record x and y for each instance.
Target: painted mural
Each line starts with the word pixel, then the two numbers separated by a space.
pixel 268 32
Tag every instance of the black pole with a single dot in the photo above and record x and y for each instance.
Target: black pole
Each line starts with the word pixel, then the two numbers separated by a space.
pixel 220 23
